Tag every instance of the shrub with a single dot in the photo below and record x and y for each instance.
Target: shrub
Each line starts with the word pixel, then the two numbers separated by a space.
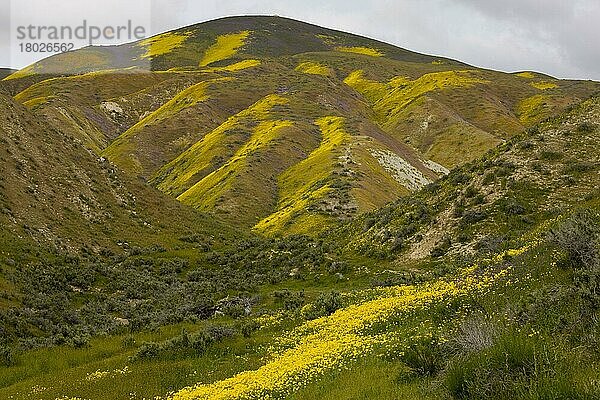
pixel 339 267
pixel 7 356
pixel 472 217
pixel 291 300
pixel 490 244
pixel 550 155
pixel 586 127
pixel 489 178
pixel 578 237
pixel 511 206
pixel 459 178
pixel 442 248
pixel 475 334
pixel 148 350
pixel 471 192
pixel 426 356
pixel 515 367
pixel 579 167
pixel 249 327
pixel 325 304
pixel 184 344
pixel 369 223
pixel 80 341
pixel 128 342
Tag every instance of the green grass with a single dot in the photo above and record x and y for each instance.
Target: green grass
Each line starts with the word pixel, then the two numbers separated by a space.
pixel 371 378
pixel 65 371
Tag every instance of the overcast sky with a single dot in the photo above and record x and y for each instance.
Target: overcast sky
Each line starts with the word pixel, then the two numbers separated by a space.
pixel 558 37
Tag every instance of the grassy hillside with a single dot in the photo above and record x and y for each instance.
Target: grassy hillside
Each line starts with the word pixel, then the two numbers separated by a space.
pixel 505 307
pixel 178 110
pixel 58 194
pixel 255 207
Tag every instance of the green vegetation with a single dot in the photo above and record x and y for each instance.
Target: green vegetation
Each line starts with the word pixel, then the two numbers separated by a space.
pixel 533 108
pixel 307 183
pixel 205 194
pixel 177 176
pixel 354 267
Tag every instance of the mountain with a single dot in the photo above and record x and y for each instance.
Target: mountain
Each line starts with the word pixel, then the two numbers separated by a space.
pixel 255 207
pixel 279 126
pixel 506 306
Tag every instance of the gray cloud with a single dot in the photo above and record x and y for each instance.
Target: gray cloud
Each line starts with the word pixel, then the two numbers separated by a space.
pixel 552 36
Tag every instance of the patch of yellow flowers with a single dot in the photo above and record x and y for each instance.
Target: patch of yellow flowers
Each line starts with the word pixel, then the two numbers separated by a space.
pixel 335 342
pixel 97 375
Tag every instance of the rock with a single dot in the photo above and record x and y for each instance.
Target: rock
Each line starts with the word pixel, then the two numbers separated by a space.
pixel 112 108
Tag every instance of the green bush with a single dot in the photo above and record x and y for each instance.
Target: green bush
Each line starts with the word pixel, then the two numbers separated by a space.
pixel 426 356
pixel 579 238
pixel 517 366
pixel 586 127
pixel 442 247
pixel 247 328
pixel 184 344
pixel 7 356
pixel 325 304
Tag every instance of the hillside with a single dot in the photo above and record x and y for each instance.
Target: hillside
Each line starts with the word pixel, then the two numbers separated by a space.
pixel 283 127
pixel 507 307
pixel 55 194
pixel 512 191
pixel 4 72
pixel 256 207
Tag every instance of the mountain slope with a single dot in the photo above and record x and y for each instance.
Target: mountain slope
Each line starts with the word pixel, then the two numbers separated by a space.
pixel 189 110
pixel 513 317
pixel 481 208
pixel 4 72
pixel 57 194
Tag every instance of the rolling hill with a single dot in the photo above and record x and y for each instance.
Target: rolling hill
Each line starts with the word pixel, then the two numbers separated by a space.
pixel 279 126
pixel 57 194
pixel 256 207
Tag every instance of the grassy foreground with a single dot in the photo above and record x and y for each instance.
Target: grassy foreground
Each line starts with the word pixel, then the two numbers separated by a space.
pixel 502 328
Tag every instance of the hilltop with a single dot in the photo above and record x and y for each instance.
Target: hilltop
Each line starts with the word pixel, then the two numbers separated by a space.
pixel 283 127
